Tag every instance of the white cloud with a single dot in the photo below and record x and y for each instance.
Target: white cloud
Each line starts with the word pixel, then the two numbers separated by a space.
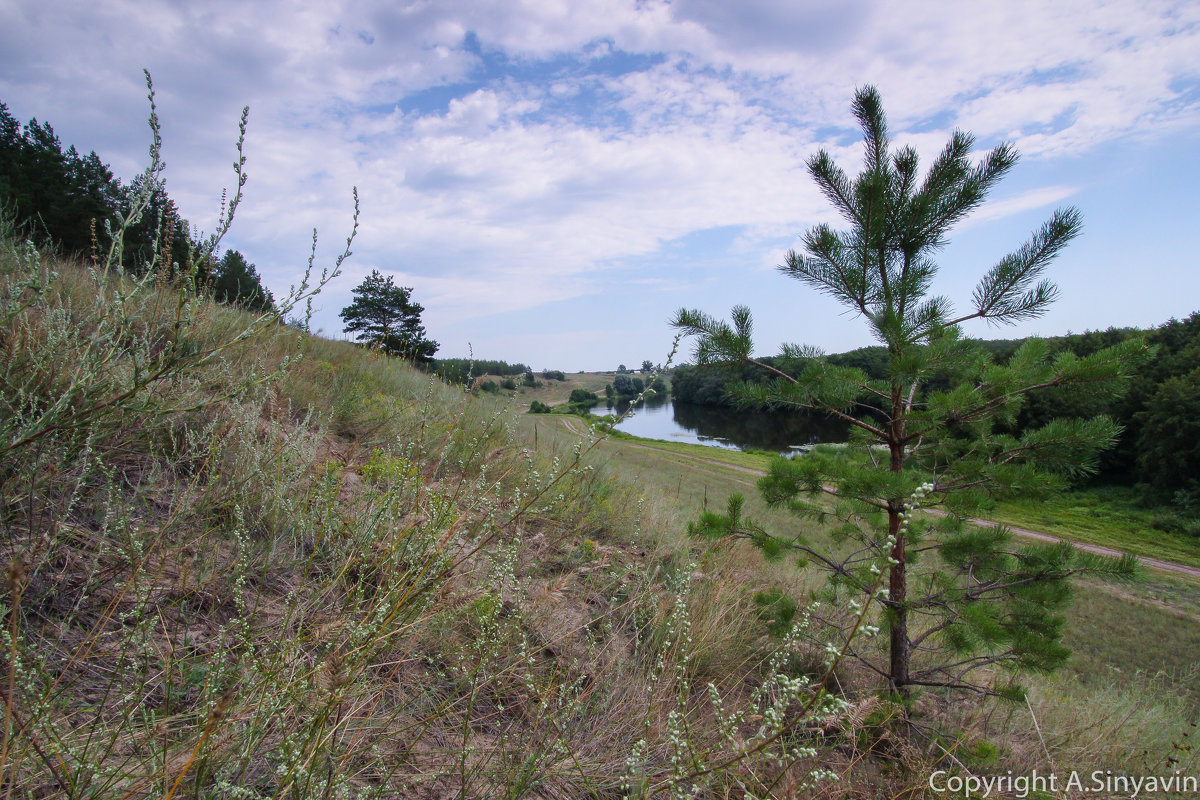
pixel 506 151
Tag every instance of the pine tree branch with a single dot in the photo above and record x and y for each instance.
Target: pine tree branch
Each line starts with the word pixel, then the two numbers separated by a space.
pixel 773 370
pixel 1015 271
pixel 855 421
pixel 956 684
pixel 917 642
pixel 970 664
pixel 826 272
pixel 866 662
pixel 833 566
pixel 976 412
pixel 834 184
pixel 983 592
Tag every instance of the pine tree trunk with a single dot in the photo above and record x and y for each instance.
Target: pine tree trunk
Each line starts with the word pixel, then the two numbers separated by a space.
pixel 897 594
pixel 897 576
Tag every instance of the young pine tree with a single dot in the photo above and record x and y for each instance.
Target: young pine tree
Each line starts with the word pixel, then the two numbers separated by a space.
pixel 956 598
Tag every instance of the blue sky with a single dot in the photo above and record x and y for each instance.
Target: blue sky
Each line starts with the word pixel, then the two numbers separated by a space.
pixel 555 177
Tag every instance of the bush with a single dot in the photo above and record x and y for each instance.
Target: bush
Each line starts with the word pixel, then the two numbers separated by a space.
pixel 1175 524
pixel 509 384
pixel 583 397
pixel 538 407
pixel 554 375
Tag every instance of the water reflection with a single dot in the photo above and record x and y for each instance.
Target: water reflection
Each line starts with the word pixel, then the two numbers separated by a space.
pixel 777 431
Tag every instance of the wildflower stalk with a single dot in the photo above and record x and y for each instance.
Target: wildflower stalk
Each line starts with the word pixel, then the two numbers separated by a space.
pixel 214 721
pixel 16 581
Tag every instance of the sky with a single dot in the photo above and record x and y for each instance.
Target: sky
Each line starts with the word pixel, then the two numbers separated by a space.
pixel 555 178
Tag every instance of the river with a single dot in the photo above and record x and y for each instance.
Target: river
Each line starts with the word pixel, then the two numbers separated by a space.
pixel 776 431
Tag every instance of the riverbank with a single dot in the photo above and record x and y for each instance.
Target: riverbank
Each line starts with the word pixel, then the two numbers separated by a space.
pixel 1108 518
pixel 1127 635
pixel 1080 517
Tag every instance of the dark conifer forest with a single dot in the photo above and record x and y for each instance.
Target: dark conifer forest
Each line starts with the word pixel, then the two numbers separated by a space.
pixel 63 199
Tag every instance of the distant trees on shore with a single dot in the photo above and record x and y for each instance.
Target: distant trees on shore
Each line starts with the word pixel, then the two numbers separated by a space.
pixel 1153 414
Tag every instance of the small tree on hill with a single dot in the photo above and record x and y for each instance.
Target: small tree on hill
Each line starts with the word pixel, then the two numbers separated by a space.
pixel 383 316
pixel 955 598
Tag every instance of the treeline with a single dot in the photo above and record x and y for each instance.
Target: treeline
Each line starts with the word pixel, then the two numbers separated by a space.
pixel 1159 445
pixel 457 370
pixel 63 198
pixel 705 386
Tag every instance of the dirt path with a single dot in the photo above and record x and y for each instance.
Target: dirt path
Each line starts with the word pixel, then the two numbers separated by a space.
pixel 1153 563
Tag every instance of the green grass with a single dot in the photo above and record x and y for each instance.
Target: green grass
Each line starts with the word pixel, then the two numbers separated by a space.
pixel 1108 516
pixel 735 458
pixel 1127 635
pixel 1120 635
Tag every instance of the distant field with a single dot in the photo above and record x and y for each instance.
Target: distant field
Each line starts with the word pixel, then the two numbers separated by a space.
pixel 553 392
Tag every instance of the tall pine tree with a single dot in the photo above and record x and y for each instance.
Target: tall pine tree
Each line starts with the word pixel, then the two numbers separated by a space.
pixel 67 199
pixel 383 315
pixel 957 599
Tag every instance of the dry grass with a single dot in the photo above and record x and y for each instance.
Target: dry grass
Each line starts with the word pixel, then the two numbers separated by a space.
pixel 350 580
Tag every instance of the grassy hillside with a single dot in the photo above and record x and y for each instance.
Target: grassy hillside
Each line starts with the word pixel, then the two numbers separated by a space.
pixel 246 562
pixel 242 561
